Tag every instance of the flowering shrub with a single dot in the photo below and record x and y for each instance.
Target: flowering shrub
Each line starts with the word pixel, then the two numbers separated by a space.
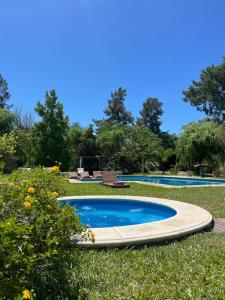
pixel 55 169
pixel 35 237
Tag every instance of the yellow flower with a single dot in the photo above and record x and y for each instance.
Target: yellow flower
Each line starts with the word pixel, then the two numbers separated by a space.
pixel 28 198
pixel 27 204
pixel 92 235
pixel 11 185
pixel 50 206
pixel 55 169
pixel 26 294
pixel 54 194
pixel 31 190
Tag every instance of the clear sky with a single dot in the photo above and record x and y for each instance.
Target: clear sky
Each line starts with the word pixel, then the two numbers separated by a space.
pixel 87 48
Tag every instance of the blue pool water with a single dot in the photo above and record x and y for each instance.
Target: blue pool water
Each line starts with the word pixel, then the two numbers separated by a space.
pixel 178 181
pixel 99 213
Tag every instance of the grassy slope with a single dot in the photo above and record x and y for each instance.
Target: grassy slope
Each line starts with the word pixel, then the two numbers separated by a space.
pixel 190 269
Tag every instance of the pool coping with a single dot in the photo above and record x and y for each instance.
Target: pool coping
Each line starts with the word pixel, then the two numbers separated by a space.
pixel 189 219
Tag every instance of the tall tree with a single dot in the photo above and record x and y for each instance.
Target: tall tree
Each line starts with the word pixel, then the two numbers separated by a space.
pixel 4 93
pixel 116 111
pixel 208 94
pixel 151 115
pixel 51 133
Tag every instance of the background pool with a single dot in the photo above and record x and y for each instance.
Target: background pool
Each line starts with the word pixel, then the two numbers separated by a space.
pixel 99 213
pixel 175 181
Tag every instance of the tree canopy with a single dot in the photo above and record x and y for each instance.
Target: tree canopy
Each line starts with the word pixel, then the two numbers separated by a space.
pixel 51 133
pixel 4 93
pixel 116 111
pixel 208 94
pixel 201 142
pixel 151 115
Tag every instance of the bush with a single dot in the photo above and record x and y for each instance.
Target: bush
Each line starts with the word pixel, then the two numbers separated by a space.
pixel 35 237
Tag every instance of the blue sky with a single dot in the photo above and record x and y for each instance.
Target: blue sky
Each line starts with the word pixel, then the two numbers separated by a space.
pixel 87 48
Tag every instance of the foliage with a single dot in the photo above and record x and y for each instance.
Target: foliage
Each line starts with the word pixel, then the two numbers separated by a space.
pixel 167 155
pixel 110 141
pixel 35 237
pixel 201 142
pixel 7 121
pixel 141 146
pixel 74 137
pixel 208 94
pixel 51 133
pixel 151 114
pixel 4 93
pixel 8 144
pixel 168 140
pixel 116 111
pixel 82 143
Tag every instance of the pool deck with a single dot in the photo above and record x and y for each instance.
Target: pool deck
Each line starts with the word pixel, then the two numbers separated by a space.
pixel 189 219
pixel 219 225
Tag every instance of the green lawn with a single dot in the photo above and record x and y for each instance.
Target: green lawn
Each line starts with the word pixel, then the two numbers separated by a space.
pixel 193 268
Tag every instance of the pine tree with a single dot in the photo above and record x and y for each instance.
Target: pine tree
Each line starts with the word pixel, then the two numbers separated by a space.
pixel 151 114
pixel 51 133
pixel 4 93
pixel 116 111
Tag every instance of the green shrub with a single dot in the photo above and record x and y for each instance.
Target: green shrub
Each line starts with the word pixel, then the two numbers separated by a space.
pixel 35 237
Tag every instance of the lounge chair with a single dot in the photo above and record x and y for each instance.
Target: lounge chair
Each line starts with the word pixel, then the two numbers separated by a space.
pixel 73 175
pixel 109 178
pixel 97 174
pixel 190 173
pixel 84 175
pixel 80 170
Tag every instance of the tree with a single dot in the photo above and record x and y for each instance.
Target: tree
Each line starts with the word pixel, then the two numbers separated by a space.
pixel 151 114
pixel 7 151
pixel 141 146
pixel 7 121
pixel 110 141
pixel 74 135
pixel 168 155
pixel 88 149
pixel 4 93
pixel 116 111
pixel 51 133
pixel 200 142
pixel 208 94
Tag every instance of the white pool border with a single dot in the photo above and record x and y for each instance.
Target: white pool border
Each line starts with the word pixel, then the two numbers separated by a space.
pixel 189 219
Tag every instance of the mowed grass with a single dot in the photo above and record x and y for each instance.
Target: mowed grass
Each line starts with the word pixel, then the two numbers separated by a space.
pixel 193 268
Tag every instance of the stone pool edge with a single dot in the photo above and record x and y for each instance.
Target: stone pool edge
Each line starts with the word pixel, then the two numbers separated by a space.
pixel 189 219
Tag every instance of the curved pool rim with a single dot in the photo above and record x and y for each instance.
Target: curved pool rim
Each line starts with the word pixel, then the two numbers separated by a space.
pixel 188 219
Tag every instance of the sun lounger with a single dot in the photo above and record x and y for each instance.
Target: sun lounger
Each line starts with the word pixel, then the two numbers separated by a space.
pixel 73 175
pixel 84 175
pixel 97 174
pixel 189 173
pixel 109 178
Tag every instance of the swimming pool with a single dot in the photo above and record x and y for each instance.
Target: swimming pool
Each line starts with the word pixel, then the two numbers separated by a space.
pixel 101 213
pixel 178 219
pixel 166 180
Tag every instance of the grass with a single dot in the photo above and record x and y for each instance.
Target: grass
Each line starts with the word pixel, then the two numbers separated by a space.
pixel 189 269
